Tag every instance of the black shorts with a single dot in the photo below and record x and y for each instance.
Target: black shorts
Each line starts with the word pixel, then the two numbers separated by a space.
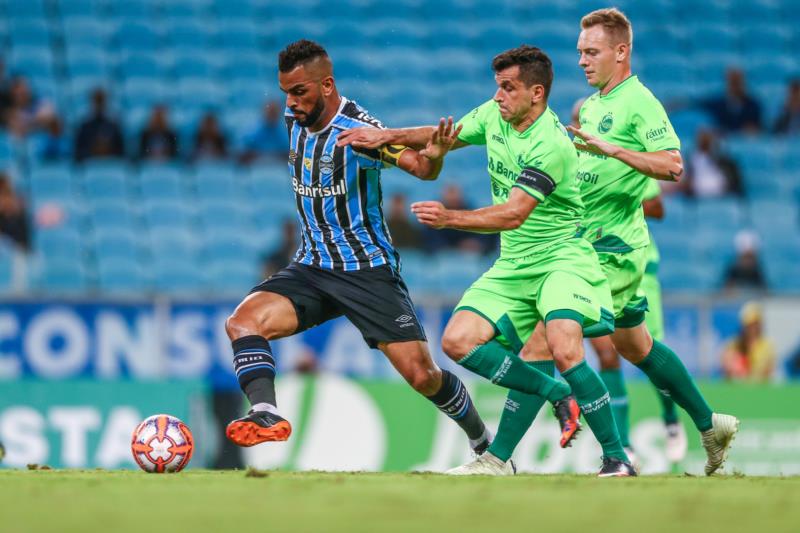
pixel 375 300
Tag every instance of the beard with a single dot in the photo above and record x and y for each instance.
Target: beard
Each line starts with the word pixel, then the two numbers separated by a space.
pixel 312 116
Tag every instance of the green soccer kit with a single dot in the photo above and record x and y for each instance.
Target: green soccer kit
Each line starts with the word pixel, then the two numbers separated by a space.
pixel 631 117
pixel 544 271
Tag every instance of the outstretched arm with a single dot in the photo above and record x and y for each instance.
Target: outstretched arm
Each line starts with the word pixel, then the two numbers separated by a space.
pixel 492 219
pixel 416 138
pixel 666 165
pixel 426 163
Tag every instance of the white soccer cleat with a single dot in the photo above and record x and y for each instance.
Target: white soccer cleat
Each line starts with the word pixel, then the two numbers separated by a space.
pixel 717 440
pixel 484 465
pixel 676 444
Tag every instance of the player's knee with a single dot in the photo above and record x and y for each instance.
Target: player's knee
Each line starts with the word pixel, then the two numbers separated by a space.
pixel 456 345
pixel 239 325
pixel 426 381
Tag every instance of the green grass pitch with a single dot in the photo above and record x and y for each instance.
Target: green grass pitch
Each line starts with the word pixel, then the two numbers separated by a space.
pixel 198 501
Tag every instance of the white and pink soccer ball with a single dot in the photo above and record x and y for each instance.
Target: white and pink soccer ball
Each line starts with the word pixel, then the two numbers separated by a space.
pixel 162 443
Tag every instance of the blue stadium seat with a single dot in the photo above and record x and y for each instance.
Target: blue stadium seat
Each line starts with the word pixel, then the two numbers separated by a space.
pixel 161 182
pixel 25 9
pixel 178 278
pixel 33 32
pixel 232 277
pixel 52 182
pixel 137 36
pixel 62 244
pixel 62 277
pixel 121 276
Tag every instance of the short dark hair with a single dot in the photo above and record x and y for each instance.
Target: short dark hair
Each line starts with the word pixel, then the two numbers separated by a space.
pixel 534 65
pixel 299 53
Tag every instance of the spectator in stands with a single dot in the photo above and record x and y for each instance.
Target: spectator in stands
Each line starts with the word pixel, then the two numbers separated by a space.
pixel 99 135
pixel 15 226
pixel 736 110
pixel 283 254
pixel 750 355
pixel 709 172
pixel 268 139
pixel 14 222
pixel 435 240
pixel 5 93
pixel 25 113
pixel 158 141
pixel 209 142
pixel 51 144
pixel 405 233
pixel 788 121
pixel 745 272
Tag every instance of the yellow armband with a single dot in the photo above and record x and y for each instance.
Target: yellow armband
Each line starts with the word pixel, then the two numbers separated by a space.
pixel 390 153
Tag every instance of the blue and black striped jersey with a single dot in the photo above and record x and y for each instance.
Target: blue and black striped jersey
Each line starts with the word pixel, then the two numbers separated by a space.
pixel 338 195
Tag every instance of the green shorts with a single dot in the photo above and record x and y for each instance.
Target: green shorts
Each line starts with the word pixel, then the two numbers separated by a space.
pixel 624 272
pixel 652 290
pixel 563 281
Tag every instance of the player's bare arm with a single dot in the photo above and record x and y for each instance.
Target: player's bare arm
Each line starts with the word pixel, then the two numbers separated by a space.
pixel 426 163
pixel 416 138
pixel 501 217
pixel 666 165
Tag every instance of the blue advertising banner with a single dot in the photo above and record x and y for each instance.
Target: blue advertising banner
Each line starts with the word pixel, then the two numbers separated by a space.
pixel 186 340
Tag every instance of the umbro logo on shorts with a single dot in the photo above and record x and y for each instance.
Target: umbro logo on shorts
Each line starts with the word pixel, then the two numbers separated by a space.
pixel 404 321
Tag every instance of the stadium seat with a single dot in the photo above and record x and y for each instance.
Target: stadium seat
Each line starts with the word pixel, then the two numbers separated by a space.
pixel 121 276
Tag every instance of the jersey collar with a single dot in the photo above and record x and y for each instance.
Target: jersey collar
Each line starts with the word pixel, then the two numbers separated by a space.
pixel 621 84
pixel 529 129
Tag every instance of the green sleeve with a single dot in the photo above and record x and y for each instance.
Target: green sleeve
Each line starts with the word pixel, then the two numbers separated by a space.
pixel 653 190
pixel 474 124
pixel 652 128
pixel 541 175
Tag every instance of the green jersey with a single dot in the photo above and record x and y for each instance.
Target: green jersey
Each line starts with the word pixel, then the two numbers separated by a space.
pixel 631 117
pixel 652 190
pixel 542 162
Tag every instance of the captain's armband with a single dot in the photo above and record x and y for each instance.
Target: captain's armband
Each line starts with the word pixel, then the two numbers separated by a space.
pixel 390 153
pixel 537 180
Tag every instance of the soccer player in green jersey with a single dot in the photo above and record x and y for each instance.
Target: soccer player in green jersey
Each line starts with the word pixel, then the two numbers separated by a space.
pixel 625 139
pixel 545 274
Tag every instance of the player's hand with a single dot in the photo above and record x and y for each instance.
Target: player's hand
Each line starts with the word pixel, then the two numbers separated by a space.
pixel 443 139
pixel 361 138
pixel 593 144
pixel 432 214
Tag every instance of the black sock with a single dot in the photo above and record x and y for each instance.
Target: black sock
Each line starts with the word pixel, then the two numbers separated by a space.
pixel 255 369
pixel 454 401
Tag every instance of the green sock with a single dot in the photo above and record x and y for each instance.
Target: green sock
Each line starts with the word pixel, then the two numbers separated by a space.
pixel 667 373
pixel 518 415
pixel 593 398
pixel 615 383
pixel 502 367
pixel 668 411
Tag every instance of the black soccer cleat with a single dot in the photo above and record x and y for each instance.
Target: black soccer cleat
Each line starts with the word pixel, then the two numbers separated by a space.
pixel 568 414
pixel 481 447
pixel 613 467
pixel 258 427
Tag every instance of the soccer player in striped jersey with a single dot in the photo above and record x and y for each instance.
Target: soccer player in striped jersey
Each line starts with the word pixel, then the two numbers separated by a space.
pixel 346 264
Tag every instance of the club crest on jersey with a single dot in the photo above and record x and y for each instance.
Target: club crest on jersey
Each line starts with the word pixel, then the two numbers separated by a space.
pixel 605 123
pixel 307 163
pixel 326 164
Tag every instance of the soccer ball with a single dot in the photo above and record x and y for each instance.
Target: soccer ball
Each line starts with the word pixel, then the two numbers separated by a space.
pixel 162 443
